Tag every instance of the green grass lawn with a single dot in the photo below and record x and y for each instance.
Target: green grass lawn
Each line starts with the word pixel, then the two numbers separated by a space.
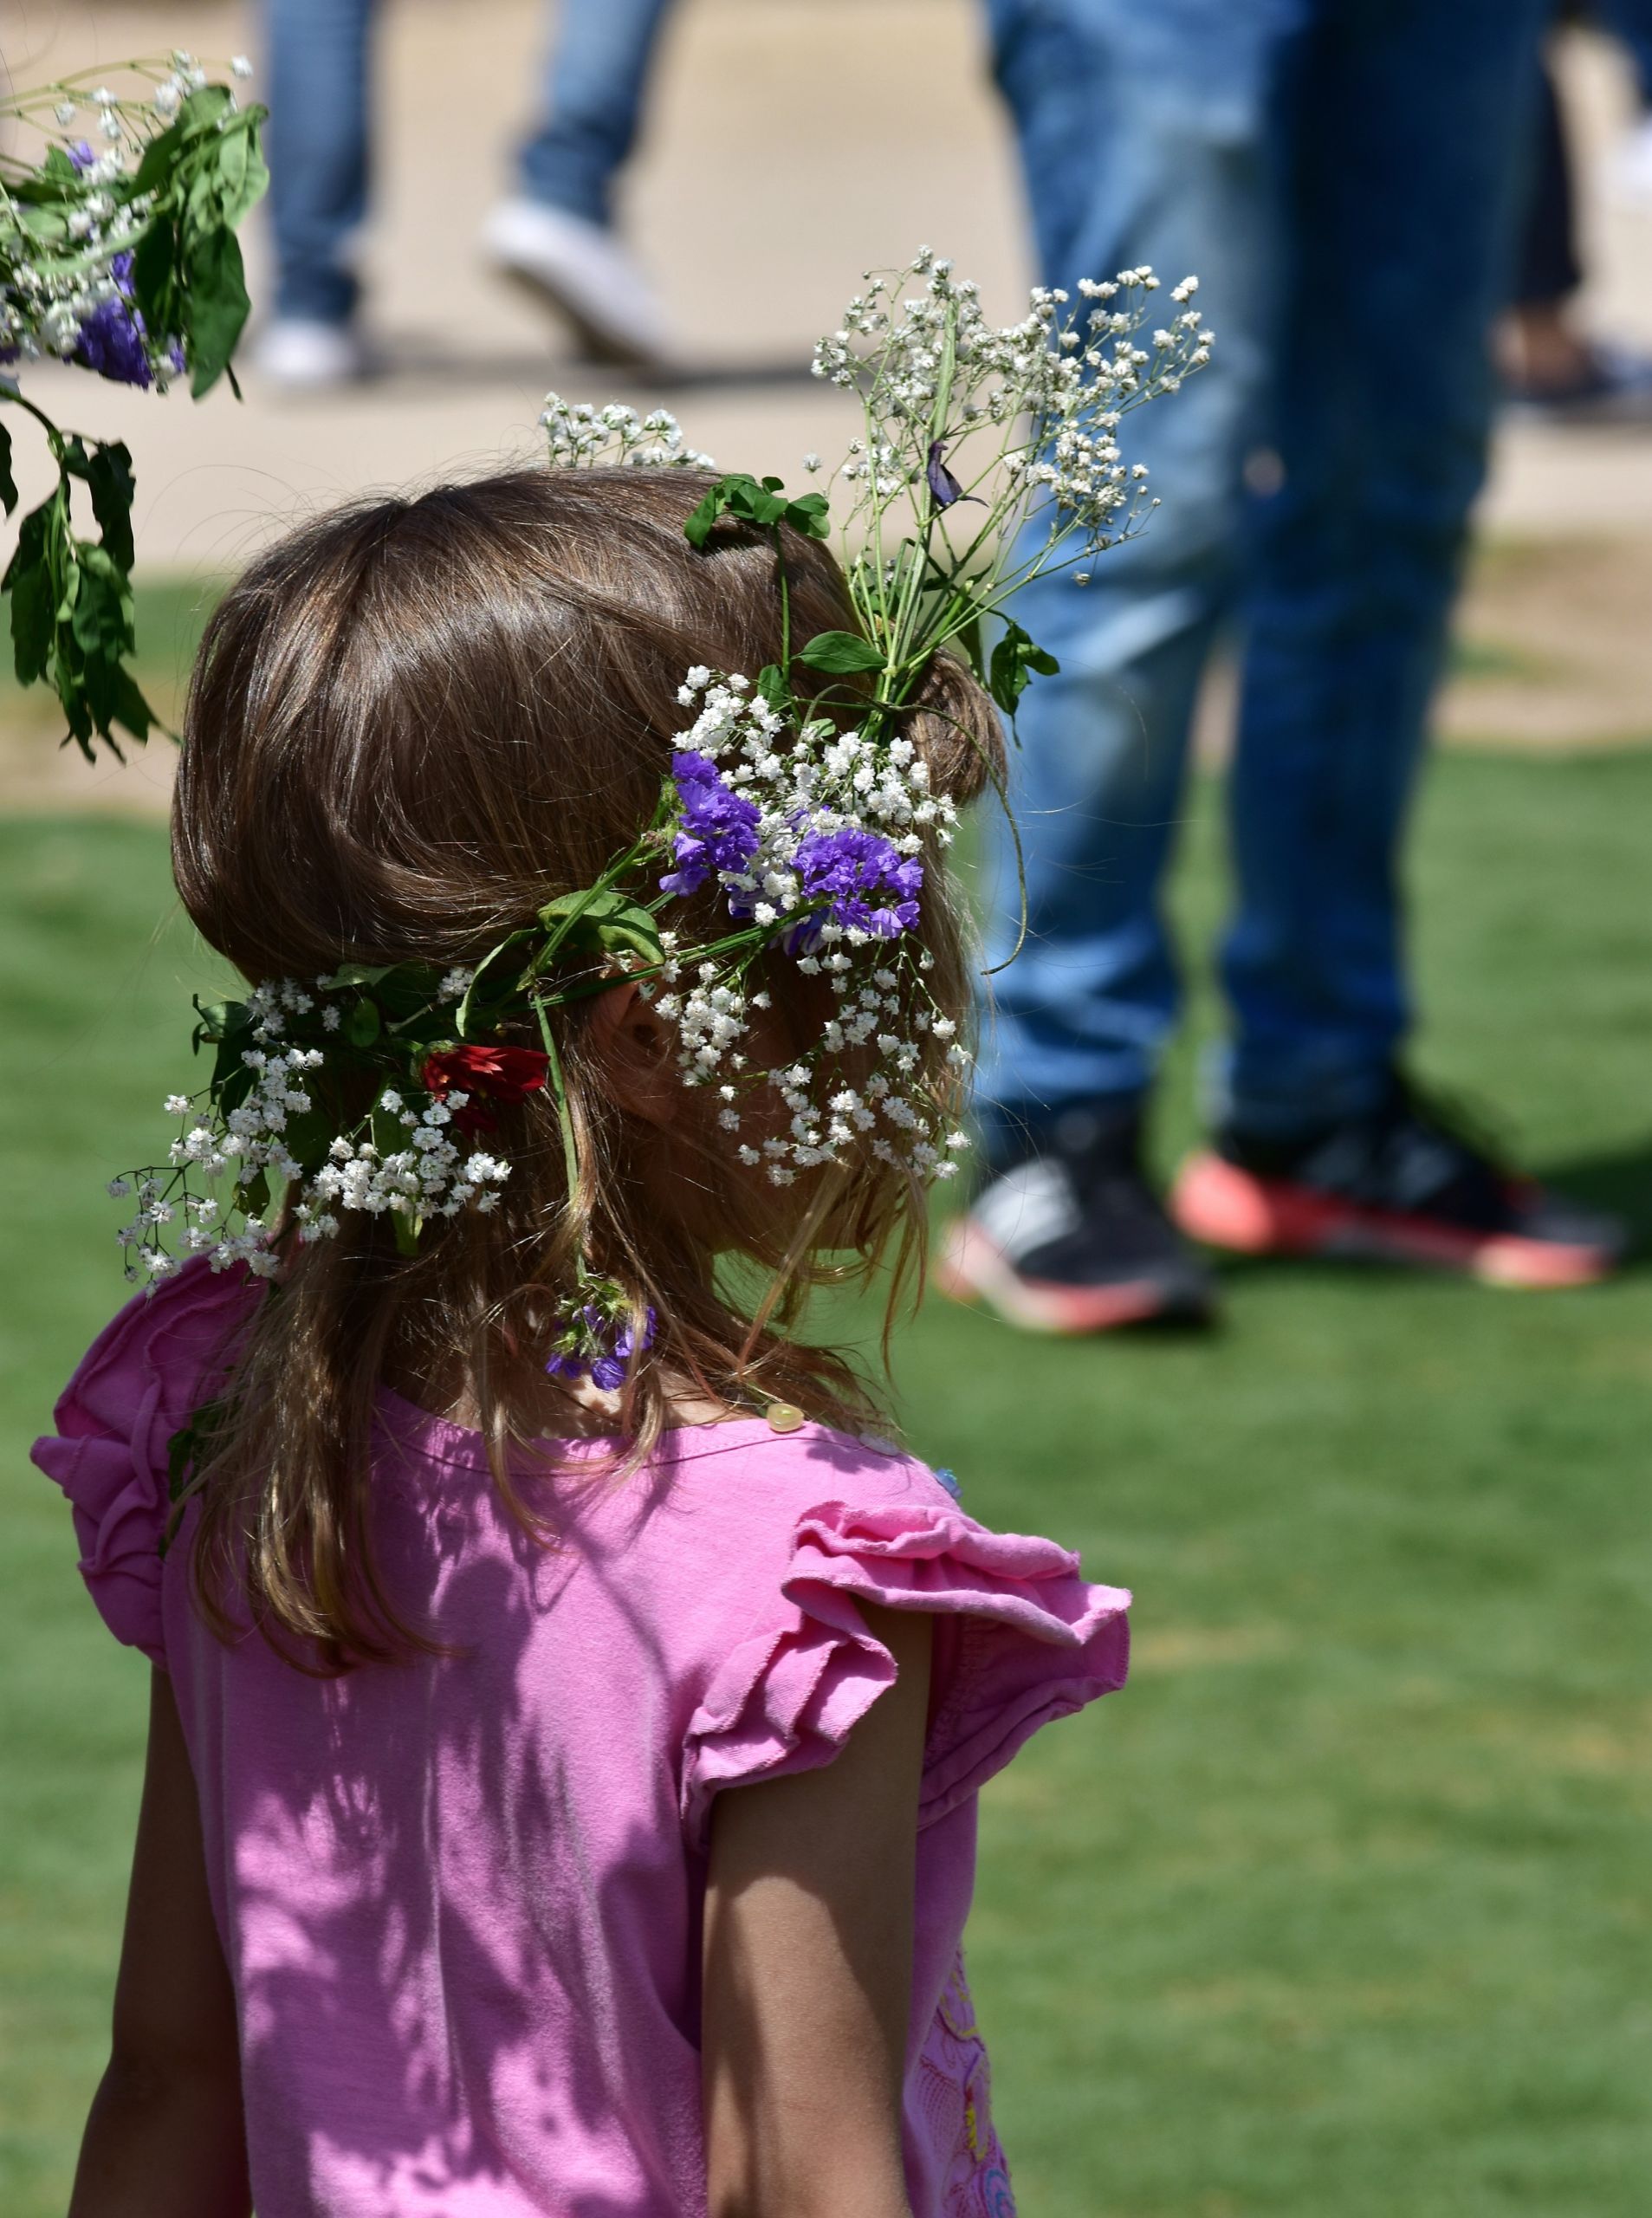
pixel 1342 1909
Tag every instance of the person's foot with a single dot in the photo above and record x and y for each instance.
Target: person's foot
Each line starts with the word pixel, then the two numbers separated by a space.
pixel 580 269
pixel 302 355
pixel 1401 1185
pixel 1553 373
pixel 1069 1237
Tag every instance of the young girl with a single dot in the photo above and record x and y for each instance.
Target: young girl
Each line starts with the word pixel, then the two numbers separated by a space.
pixel 566 1719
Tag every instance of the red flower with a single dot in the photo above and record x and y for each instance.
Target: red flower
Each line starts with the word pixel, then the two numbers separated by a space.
pixel 506 1075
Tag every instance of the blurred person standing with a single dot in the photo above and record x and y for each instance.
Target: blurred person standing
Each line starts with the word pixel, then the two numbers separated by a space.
pixel 1553 367
pixel 555 236
pixel 1345 176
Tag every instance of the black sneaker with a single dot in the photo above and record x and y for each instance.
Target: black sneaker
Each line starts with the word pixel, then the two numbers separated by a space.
pixel 1406 1185
pixel 1067 1236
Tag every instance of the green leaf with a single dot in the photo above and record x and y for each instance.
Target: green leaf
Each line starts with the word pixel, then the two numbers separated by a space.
pixel 760 504
pixel 32 584
pixel 103 619
pixel 158 156
pixel 218 307
pixel 811 515
pixel 127 704
pixel 357 974
pixel 7 482
pixel 308 1137
pixel 108 473
pixel 1014 659
pixel 407 1231
pixel 603 922
pixel 839 653
pixel 243 175
pixel 253 1193
pixel 363 1024
pixel 773 687
pixel 697 527
pixel 154 277
pixel 493 981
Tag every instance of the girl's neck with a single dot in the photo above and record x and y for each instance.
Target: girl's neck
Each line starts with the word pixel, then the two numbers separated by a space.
pixel 564 1409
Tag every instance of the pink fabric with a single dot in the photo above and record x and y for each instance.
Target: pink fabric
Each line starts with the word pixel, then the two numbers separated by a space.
pixel 461 1898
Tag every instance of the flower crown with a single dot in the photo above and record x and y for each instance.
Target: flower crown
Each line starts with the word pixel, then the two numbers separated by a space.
pixel 813 836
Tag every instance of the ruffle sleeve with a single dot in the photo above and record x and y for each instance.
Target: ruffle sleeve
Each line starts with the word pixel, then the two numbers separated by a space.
pixel 136 1386
pixel 1026 1639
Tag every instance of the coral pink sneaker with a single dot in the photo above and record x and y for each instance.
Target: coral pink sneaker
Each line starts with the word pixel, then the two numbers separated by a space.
pixel 1399 1186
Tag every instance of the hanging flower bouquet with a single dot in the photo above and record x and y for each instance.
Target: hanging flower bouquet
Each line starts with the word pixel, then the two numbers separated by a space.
pixel 988 457
pixel 118 254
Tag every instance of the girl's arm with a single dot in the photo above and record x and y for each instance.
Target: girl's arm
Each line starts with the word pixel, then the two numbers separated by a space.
pixel 165 2137
pixel 808 1966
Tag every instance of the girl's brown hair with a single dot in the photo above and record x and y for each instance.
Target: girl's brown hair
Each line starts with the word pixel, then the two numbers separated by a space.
pixel 410 725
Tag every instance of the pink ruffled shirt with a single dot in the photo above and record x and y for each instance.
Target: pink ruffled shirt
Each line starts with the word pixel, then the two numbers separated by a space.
pixel 460 1899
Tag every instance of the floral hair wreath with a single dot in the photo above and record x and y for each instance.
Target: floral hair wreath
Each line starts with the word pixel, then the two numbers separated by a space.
pixel 813 836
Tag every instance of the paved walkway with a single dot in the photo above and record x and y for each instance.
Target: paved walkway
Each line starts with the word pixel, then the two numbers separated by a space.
pixel 792 142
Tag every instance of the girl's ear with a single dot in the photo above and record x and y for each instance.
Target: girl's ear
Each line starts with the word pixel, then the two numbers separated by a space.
pixel 635 1050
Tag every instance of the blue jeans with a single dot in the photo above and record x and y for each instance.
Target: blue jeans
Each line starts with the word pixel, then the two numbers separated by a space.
pixel 317 75
pixel 1343 176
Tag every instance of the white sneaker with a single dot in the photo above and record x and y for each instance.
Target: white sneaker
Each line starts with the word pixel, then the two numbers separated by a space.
pixel 302 356
pixel 1631 167
pixel 583 272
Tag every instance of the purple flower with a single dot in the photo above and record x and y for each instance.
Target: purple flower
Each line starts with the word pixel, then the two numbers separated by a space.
pixel 718 827
pixel 113 340
pixel 944 486
pixel 854 868
pixel 80 153
pixel 603 1352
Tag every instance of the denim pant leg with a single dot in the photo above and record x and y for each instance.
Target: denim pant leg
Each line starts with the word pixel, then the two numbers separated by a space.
pixel 1411 125
pixel 595 82
pixel 317 77
pixel 1144 137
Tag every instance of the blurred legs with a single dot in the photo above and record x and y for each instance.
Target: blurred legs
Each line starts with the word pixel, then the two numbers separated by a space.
pixel 594 88
pixel 1344 180
pixel 1408 151
pixel 1142 140
pixel 319 147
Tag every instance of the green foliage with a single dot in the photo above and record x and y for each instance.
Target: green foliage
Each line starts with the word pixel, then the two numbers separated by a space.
pixel 178 209
pixel 596 922
pixel 206 173
pixel 762 503
pixel 72 619
pixel 840 652
pixel 1015 659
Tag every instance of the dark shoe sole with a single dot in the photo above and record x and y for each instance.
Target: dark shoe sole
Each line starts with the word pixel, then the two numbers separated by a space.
pixel 1216 1202
pixel 972 1268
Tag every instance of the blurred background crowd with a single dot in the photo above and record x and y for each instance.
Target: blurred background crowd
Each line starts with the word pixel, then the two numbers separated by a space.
pixel 1362 1859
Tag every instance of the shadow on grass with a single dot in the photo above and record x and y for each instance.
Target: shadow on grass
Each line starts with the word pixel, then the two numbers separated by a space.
pixel 1620 1180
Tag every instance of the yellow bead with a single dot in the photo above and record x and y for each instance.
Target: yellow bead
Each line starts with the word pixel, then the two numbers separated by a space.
pixel 784 1417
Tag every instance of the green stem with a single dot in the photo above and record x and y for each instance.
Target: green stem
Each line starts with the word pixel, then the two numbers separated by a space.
pixel 559 1089
pixel 10 396
pixel 786 605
